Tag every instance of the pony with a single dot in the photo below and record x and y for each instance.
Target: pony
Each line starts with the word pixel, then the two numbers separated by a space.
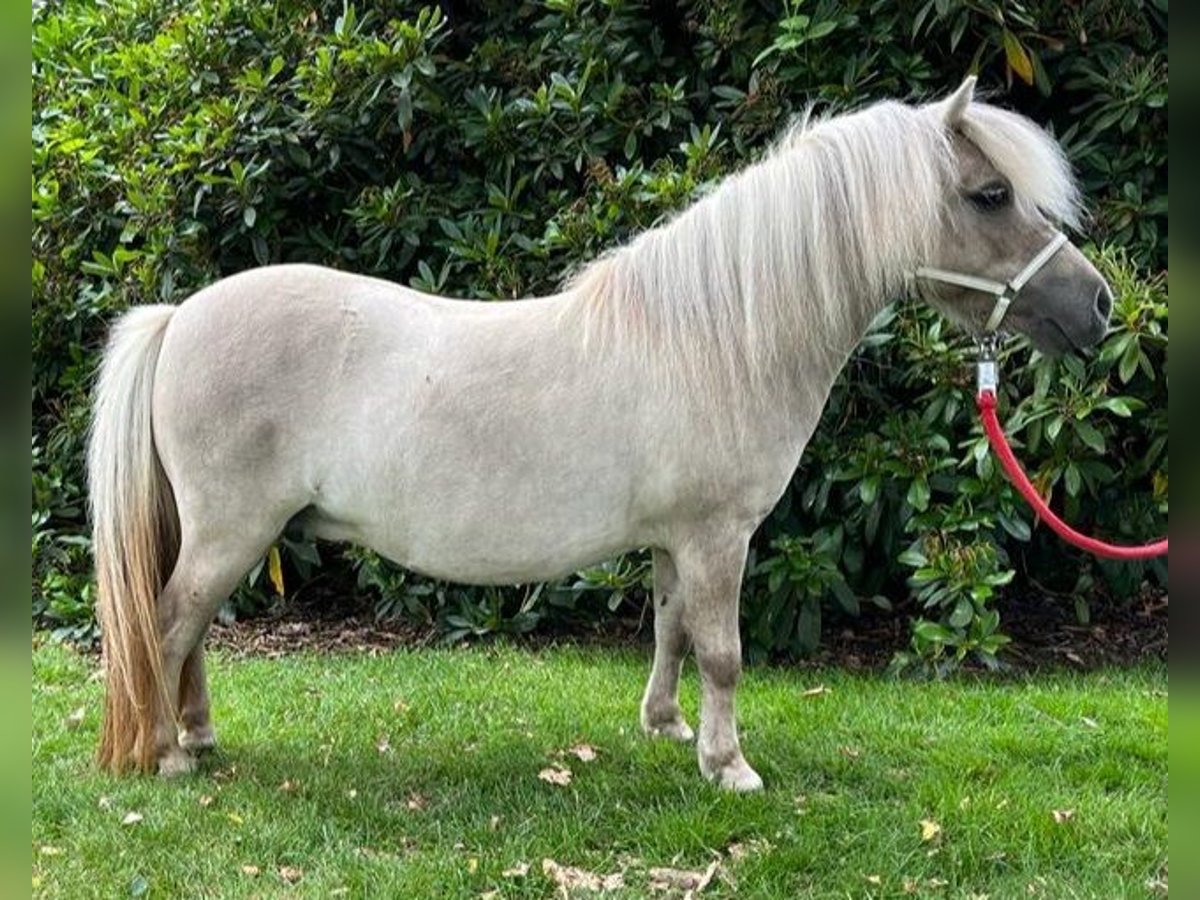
pixel 662 400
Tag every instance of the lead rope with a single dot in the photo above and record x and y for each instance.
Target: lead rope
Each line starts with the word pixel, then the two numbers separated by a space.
pixel 985 399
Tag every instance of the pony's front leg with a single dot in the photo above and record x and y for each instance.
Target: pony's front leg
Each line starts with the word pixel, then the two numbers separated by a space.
pixel 710 574
pixel 661 715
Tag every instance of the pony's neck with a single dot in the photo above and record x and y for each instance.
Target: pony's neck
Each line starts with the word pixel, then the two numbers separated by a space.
pixel 771 280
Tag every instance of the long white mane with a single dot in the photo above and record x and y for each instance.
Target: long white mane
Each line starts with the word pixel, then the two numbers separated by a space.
pixel 805 246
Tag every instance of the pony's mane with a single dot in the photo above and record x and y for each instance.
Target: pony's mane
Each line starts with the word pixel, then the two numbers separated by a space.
pixel 805 245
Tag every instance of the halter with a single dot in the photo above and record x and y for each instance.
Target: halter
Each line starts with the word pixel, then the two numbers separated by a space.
pixel 1004 292
pixel 988 376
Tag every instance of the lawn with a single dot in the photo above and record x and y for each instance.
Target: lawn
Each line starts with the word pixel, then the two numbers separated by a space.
pixel 416 774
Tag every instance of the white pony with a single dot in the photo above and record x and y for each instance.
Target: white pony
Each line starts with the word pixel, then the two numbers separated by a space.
pixel 661 400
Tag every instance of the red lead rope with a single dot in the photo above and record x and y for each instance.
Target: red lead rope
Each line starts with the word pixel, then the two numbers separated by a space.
pixel 986 401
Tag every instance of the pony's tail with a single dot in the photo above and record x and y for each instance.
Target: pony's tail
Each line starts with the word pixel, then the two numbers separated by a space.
pixel 135 539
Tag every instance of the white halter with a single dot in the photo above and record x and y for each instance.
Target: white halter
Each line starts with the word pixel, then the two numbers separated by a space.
pixel 1004 292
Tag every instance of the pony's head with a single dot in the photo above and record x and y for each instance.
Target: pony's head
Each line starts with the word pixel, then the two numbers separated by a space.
pixel 1000 261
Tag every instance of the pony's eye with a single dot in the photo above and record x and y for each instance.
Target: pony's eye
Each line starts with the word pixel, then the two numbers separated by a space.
pixel 991 198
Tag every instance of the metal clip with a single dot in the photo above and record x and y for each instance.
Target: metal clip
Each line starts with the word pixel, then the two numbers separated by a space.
pixel 987 370
pixel 987 376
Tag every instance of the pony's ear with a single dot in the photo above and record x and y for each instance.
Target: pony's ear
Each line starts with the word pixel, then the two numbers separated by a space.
pixel 956 104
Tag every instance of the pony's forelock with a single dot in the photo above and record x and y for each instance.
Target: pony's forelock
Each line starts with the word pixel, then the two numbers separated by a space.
pixel 1029 158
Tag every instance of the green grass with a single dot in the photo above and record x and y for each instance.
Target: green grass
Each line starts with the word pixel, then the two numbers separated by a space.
pixel 453 797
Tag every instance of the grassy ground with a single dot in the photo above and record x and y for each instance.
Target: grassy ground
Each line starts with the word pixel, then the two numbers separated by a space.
pixel 416 774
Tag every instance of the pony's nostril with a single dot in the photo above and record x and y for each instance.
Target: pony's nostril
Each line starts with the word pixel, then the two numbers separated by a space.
pixel 1104 302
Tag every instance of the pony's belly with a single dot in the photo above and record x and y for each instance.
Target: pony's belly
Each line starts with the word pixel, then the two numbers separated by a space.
pixel 519 517
pixel 498 553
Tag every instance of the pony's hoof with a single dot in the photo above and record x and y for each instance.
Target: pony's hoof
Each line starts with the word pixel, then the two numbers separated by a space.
pixel 198 740
pixel 678 730
pixel 737 776
pixel 176 762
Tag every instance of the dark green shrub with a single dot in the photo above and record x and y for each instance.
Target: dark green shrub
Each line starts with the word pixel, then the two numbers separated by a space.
pixel 489 150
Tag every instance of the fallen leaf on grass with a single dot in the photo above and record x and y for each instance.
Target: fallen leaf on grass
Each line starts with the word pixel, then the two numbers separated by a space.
pixel 556 774
pixel 520 870
pixel 692 882
pixel 1063 816
pixel 131 818
pixel 250 870
pixel 75 719
pixel 416 802
pixel 739 851
pixel 874 879
pixel 473 865
pixel 815 691
pixel 570 878
pixel 583 752
pixel 930 829
pixel 291 874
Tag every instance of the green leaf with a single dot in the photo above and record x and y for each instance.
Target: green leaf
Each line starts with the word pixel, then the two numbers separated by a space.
pixel 918 494
pixel 1121 406
pixel 1129 361
pixel 821 29
pixel 1018 528
pixel 964 612
pixel 846 598
pixel 868 489
pixel 932 632
pixel 1054 426
pixel 1073 479
pixel 1089 435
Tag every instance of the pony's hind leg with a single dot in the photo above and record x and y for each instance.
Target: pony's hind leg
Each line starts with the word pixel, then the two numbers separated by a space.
pixel 661 715
pixel 197 732
pixel 710 578
pixel 207 571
